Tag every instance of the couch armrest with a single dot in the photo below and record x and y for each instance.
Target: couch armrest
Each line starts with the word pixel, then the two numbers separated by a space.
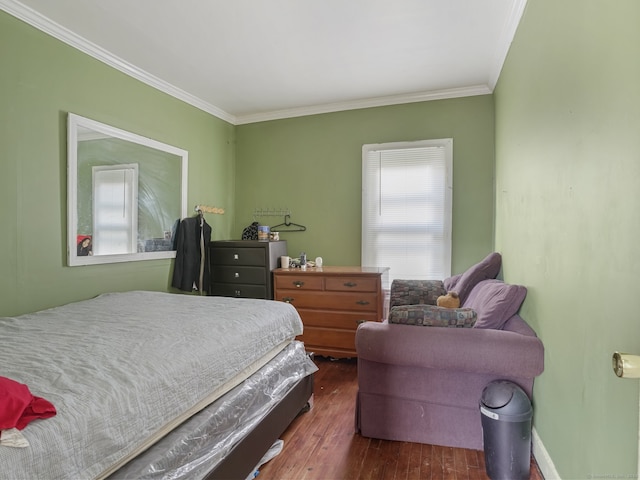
pixel 488 351
pixel 414 292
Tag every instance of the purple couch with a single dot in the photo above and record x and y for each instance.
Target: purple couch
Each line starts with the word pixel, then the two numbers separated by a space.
pixel 419 380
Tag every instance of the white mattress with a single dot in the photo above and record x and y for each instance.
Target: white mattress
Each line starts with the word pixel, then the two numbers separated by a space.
pixel 123 369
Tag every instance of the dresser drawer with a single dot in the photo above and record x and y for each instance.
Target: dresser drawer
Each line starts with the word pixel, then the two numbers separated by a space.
pixel 242 268
pixel 344 340
pixel 351 284
pixel 238 256
pixel 340 320
pixel 329 300
pixel 290 282
pixel 238 274
pixel 240 290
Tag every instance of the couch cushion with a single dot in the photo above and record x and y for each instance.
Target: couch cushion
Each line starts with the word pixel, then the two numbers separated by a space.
pixel 414 292
pixel 495 302
pixel 485 270
pixel 433 316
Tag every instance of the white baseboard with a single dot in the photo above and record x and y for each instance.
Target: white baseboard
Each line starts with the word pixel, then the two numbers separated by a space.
pixel 547 468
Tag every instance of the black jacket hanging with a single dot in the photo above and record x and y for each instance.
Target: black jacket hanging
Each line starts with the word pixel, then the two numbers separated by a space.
pixel 191 270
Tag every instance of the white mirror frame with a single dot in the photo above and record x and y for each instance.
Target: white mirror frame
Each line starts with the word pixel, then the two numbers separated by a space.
pixel 76 124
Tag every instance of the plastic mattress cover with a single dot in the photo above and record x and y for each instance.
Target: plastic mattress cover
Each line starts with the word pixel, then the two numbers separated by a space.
pixel 202 442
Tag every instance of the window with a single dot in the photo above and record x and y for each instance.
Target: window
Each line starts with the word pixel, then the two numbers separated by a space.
pixel 115 209
pixel 406 208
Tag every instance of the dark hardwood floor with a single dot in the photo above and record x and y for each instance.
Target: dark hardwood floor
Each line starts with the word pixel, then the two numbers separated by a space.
pixel 322 444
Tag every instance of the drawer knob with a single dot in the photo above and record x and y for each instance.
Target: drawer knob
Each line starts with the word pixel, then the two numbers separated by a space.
pixel 287 299
pixel 237 275
pixel 350 284
pixel 298 283
pixel 236 256
pixel 237 292
pixel 362 302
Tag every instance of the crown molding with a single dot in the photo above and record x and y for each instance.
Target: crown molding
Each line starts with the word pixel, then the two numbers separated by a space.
pixel 506 37
pixel 74 40
pixel 365 103
pixel 46 25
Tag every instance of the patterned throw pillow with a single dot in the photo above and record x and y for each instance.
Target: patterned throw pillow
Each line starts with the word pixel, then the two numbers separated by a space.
pixel 432 316
pixel 415 292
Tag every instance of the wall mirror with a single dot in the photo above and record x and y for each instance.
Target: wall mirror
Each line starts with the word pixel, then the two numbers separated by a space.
pixel 126 194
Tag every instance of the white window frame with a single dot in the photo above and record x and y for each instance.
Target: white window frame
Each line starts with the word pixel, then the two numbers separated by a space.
pixel 115 209
pixel 436 262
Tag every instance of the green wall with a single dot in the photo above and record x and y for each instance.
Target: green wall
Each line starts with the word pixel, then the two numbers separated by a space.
pixel 41 80
pixel 568 223
pixel 312 165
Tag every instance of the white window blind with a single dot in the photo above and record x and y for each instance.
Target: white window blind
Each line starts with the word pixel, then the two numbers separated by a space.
pixel 406 208
pixel 115 209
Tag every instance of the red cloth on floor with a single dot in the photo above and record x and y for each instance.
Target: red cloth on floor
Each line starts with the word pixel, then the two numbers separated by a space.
pixel 18 406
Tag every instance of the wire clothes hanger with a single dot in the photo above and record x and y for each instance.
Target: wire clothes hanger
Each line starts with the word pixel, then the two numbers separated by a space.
pixel 289 226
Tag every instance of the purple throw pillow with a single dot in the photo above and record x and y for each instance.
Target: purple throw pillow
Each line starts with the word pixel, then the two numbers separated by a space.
pixel 495 302
pixel 451 282
pixel 485 270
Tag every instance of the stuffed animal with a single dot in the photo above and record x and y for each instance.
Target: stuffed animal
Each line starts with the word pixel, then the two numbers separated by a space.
pixel 450 300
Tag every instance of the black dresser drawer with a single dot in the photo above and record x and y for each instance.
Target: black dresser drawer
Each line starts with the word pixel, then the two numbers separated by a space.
pixel 240 290
pixel 238 256
pixel 239 274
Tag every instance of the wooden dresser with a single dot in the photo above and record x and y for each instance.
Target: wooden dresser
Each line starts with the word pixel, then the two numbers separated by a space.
pixel 332 302
pixel 242 268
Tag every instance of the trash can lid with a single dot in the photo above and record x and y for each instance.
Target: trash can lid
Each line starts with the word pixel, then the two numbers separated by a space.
pixel 507 396
pixel 497 394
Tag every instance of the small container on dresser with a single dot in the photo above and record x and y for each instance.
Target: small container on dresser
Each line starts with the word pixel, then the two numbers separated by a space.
pixel 243 268
pixel 332 302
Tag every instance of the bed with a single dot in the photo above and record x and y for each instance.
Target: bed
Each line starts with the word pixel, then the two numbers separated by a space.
pixel 155 385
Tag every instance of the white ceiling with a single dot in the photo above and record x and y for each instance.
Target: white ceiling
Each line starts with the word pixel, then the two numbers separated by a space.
pixel 252 60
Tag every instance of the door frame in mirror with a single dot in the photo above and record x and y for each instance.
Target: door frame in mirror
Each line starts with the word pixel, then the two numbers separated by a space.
pixel 77 124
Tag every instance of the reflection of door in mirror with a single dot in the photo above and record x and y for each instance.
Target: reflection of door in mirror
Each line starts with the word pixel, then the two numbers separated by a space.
pixel 115 209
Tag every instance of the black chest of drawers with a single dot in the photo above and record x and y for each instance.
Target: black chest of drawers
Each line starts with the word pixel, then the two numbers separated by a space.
pixel 242 268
